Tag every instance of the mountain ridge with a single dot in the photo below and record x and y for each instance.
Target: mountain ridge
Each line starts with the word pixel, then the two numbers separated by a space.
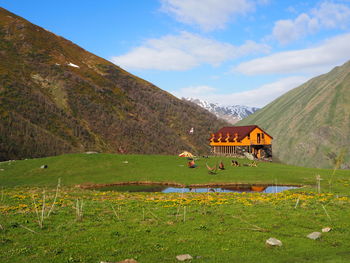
pixel 310 123
pixel 231 114
pixel 59 98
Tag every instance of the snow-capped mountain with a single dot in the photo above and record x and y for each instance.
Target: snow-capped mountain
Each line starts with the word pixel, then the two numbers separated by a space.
pixel 232 114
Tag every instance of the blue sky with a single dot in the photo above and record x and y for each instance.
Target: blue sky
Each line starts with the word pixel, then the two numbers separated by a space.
pixel 245 52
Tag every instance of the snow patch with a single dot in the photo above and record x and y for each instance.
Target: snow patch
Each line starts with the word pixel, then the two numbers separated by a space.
pixel 231 113
pixel 73 65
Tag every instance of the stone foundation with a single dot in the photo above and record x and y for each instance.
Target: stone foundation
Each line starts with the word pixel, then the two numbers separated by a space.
pixel 238 151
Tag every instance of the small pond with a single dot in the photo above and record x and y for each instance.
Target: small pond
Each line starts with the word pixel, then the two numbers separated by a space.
pixel 222 189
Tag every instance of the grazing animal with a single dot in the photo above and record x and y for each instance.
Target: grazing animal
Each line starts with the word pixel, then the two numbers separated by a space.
pixel 252 164
pixel 212 170
pixel 191 164
pixel 221 166
pixel 235 163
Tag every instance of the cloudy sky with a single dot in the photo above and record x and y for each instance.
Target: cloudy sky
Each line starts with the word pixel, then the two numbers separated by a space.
pixel 245 52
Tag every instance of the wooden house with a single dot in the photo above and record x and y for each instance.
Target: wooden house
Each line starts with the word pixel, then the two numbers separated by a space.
pixel 236 140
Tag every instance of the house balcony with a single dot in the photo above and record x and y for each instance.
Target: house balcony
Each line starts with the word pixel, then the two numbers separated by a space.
pixel 258 142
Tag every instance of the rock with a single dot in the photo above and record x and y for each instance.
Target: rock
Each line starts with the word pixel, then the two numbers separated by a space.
pixel 10 162
pixel 314 235
pixel 123 261
pixel 326 229
pixel 125 162
pixel 184 257
pixel 273 242
pixel 128 261
pixel 44 166
pixel 249 156
pixel 91 152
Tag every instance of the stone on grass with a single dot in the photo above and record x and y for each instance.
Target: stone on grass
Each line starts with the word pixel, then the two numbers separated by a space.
pixel 91 152
pixel 273 242
pixel 184 257
pixel 123 261
pixel 314 235
pixel 44 166
pixel 326 229
pixel 128 261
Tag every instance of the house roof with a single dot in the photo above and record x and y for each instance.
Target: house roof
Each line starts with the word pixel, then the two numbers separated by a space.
pixel 241 131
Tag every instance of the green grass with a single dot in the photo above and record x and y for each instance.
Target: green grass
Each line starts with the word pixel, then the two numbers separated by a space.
pixel 76 169
pixel 155 227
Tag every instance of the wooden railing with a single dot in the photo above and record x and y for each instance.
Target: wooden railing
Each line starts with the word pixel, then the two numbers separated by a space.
pixel 257 142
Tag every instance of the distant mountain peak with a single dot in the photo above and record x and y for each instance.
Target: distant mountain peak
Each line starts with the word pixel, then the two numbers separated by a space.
pixel 231 114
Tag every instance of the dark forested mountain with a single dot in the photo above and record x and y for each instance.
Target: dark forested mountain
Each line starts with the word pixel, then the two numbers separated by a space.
pixel 55 98
pixel 310 124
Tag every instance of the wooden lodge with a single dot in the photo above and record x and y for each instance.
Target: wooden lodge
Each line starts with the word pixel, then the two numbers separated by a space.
pixel 237 140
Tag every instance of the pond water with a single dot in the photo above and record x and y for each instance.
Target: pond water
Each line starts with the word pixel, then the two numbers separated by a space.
pixel 222 189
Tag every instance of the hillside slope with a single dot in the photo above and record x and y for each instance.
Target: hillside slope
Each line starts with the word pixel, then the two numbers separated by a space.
pixel 310 124
pixel 58 98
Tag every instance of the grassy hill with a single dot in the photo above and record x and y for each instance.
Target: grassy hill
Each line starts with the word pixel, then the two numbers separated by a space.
pixel 310 124
pixel 58 98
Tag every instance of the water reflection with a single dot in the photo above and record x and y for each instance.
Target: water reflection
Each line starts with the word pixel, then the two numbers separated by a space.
pixel 223 189
pixel 260 189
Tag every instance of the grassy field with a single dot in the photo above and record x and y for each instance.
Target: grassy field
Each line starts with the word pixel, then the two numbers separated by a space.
pixel 76 169
pixel 45 223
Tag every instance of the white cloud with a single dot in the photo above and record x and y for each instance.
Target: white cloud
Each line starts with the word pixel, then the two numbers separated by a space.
pixel 207 14
pixel 286 31
pixel 317 60
pixel 194 92
pixel 184 51
pixel 331 15
pixel 328 15
pixel 256 98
